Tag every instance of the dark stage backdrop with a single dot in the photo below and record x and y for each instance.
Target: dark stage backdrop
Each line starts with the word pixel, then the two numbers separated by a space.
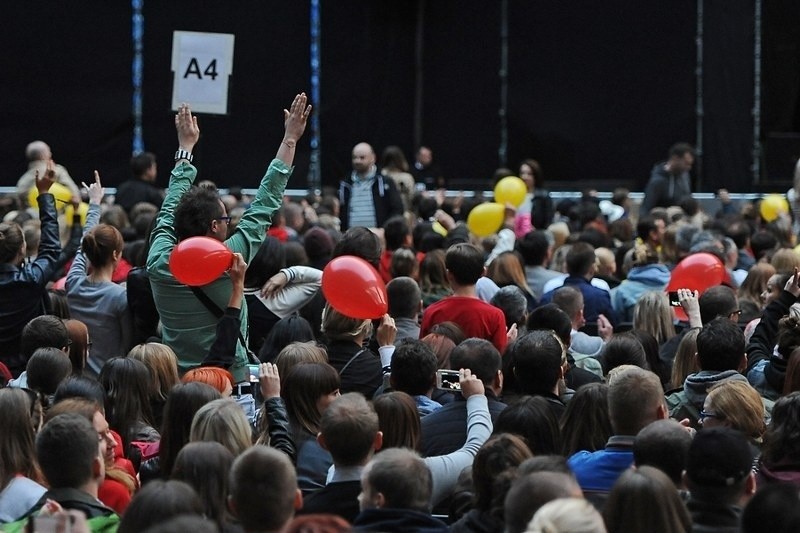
pixel 596 92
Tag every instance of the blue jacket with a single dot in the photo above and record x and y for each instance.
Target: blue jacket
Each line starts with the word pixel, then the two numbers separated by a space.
pixel 595 301
pixel 641 279
pixel 598 471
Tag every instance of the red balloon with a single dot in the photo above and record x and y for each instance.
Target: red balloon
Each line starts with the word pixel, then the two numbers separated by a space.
pixel 354 288
pixel 697 272
pixel 198 261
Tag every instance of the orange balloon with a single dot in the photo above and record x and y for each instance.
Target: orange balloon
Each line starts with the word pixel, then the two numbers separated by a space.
pixel 198 261
pixel 354 288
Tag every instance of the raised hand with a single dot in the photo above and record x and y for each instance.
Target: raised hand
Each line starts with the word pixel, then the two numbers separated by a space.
pixel 295 118
pixel 793 284
pixel 237 271
pixel 470 384
pixel 186 125
pixel 269 381
pixel 387 331
pixel 95 190
pixel 44 181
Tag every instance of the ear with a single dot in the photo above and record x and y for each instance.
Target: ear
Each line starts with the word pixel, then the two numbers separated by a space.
pixel 497 383
pixel 750 485
pixel 231 505
pixel 662 412
pixel 377 443
pixel 696 360
pixel 298 500
pixel 98 467
pixel 380 500
pixel 321 441
pixel 742 363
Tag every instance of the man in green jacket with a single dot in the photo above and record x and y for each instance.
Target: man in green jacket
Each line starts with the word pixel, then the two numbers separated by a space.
pixel 188 326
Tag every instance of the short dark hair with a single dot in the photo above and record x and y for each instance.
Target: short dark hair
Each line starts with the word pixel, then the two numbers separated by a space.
pixel 537 358
pixel 395 232
pixel 762 242
pixel 141 163
pixel 46 368
pixel 645 225
pixel 531 418
pixel 67 447
pixel 663 444
pixel 740 232
pixel 349 426
pixel 360 242
pixel 403 479
pixel 46 331
pixel 159 501
pixel 720 345
pixel 479 356
pixel 530 492
pixel 195 212
pixel 262 487
pixel 413 367
pixel 681 149
pixel 551 316
pixel 465 262
pixel 404 297
pixel 533 247
pixel 719 460
pixel 580 259
pixel 717 301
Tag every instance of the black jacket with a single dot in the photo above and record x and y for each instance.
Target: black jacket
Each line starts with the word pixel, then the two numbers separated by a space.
pixel 340 498
pixel 397 521
pixel 364 374
pixel 23 296
pixel 385 197
pixel 445 430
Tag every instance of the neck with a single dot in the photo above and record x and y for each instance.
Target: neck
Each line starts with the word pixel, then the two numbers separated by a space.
pixel 103 273
pixel 468 291
pixel 89 488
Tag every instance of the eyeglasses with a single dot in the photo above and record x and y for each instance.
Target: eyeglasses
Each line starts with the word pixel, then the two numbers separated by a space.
pixel 706 414
pixel 224 219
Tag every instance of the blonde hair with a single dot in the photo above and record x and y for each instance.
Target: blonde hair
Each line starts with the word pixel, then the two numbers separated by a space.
pixel 162 363
pixel 785 260
pixel 222 421
pixel 567 515
pixel 653 314
pixel 296 353
pixel 337 326
pixel 739 405
pixel 756 282
pixel 685 362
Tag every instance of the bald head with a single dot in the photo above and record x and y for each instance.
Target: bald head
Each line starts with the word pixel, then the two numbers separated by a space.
pixel 38 151
pixel 363 158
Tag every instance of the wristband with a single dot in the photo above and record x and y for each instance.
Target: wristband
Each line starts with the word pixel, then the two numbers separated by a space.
pixel 183 154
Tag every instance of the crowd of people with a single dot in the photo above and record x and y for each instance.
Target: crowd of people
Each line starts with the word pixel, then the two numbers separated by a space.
pixel 540 379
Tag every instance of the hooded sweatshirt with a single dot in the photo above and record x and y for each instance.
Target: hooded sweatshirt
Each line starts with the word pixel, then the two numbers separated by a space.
pixel 688 403
pixel 641 279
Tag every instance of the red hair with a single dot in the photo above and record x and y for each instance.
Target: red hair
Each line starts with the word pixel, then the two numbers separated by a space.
pixel 210 375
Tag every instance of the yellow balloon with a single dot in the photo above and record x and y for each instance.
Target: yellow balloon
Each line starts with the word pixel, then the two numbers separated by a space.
pixel 69 211
pixel 61 192
pixel 485 219
pixel 511 190
pixel 772 206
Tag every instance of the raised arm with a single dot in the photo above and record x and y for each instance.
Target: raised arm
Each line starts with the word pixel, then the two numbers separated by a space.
pixel 295 119
pixel 163 237
pixel 79 266
pixel 44 265
pixel 762 342
pixel 253 225
pixel 445 469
